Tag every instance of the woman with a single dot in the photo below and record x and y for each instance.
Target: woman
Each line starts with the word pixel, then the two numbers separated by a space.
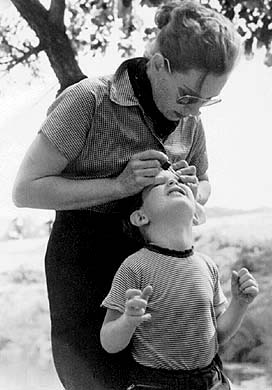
pixel 103 141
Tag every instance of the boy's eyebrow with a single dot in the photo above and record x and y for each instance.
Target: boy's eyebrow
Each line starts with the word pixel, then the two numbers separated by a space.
pixel 150 186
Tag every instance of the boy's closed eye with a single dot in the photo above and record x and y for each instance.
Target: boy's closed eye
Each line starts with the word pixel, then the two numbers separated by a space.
pixel 159 180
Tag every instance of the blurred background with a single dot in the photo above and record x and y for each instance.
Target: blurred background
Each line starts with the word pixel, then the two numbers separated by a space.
pixel 46 46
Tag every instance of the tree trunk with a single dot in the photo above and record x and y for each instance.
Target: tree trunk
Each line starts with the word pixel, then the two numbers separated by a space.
pixel 61 56
pixel 50 29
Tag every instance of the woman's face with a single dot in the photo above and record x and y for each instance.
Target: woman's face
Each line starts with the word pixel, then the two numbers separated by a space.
pixel 168 87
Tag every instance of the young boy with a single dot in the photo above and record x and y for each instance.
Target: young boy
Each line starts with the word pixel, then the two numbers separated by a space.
pixel 167 299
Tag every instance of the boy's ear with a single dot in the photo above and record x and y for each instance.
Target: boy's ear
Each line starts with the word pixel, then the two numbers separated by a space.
pixel 139 218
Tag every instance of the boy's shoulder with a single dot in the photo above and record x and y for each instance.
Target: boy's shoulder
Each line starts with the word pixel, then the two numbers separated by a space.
pixel 134 265
pixel 141 255
pixel 207 259
pixel 140 259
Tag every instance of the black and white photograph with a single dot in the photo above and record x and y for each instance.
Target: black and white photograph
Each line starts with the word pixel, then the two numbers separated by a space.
pixel 135 195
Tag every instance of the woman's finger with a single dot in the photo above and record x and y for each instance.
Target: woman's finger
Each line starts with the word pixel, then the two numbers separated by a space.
pixel 187 171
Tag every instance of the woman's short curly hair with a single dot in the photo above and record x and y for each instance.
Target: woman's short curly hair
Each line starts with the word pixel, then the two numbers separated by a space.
pixel 194 36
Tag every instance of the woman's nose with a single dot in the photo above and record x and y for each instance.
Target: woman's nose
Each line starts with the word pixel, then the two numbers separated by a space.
pixel 193 109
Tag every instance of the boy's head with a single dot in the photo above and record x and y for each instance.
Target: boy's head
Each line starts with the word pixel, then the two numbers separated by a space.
pixel 162 206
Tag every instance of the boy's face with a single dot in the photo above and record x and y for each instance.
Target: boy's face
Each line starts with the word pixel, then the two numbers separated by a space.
pixel 172 198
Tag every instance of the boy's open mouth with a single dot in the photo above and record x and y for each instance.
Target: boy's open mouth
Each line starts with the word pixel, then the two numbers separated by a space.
pixel 177 190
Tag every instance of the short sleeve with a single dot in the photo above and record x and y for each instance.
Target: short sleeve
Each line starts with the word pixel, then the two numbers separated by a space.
pixel 69 119
pixel 219 296
pixel 124 279
pixel 188 142
pixel 199 156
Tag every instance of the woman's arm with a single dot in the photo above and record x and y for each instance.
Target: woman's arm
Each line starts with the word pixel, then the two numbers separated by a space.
pixel 39 183
pixel 204 189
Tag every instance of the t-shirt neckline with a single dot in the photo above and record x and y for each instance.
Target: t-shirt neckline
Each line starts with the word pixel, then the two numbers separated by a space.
pixel 170 252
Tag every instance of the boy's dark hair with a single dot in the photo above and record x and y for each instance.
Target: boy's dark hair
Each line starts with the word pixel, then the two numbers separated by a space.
pixel 131 204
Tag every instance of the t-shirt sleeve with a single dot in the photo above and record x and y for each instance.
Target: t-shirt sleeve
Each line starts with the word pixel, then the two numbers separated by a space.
pixel 124 279
pixel 220 300
pixel 199 157
pixel 69 119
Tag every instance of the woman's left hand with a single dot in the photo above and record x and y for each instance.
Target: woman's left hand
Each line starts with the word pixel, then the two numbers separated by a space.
pixel 187 174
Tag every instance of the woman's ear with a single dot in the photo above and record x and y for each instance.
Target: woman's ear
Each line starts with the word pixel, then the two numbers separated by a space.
pixel 157 61
pixel 139 218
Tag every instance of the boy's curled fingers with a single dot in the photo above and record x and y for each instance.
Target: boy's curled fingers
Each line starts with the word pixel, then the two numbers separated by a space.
pixel 246 278
pixel 133 292
pixel 147 292
pixel 136 306
pixel 247 285
pixel 136 302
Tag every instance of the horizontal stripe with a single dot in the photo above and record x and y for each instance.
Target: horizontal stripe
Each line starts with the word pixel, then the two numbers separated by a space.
pixel 182 331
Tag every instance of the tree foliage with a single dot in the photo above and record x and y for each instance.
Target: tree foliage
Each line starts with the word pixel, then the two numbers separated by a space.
pixel 64 29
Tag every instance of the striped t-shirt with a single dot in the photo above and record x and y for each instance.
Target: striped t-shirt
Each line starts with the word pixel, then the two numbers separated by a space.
pixel 182 331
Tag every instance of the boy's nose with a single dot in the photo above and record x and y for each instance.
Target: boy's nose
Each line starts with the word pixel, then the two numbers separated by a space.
pixel 172 182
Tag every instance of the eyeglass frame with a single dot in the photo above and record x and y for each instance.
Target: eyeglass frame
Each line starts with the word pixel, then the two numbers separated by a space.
pixel 204 101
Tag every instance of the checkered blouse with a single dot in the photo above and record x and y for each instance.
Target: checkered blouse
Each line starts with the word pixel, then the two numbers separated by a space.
pixel 98 124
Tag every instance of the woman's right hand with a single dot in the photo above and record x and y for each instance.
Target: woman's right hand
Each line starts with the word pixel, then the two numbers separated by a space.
pixel 141 171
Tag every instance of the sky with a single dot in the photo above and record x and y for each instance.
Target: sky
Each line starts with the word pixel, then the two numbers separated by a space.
pixel 238 130
pixel 239 138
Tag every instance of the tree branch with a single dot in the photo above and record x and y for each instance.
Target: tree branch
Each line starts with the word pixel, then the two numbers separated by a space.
pixel 18 60
pixel 56 12
pixel 33 12
pixel 6 44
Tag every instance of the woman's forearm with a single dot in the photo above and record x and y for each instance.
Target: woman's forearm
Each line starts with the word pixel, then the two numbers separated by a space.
pixel 204 192
pixel 116 335
pixel 59 193
pixel 229 322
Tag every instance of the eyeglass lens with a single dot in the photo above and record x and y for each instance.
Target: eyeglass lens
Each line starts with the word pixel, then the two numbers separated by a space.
pixel 188 99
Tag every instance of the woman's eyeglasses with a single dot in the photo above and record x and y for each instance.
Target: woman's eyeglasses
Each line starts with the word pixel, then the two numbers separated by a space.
pixel 190 99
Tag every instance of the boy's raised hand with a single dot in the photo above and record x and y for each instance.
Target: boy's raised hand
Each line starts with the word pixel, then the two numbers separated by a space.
pixel 244 286
pixel 136 304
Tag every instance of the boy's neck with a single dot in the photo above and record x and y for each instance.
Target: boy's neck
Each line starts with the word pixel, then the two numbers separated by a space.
pixel 178 239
